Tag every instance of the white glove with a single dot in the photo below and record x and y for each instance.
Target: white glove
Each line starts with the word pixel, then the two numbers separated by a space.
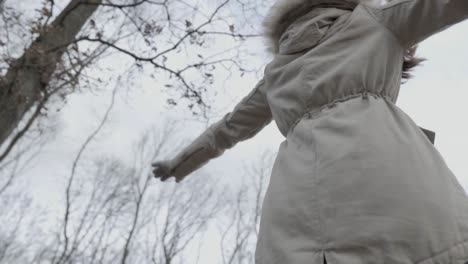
pixel 163 169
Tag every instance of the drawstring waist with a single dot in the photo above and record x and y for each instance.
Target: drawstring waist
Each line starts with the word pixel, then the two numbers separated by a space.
pixel 365 95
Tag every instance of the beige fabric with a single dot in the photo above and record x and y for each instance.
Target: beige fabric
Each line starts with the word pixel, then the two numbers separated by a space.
pixel 355 180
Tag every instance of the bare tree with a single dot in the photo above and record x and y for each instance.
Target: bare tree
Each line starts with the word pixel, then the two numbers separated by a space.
pixel 114 212
pixel 147 150
pixel 165 217
pixel 96 214
pixel 16 241
pixel 155 35
pixel 2 2
pixel 9 248
pixel 240 234
pixel 188 214
pixel 13 166
pixel 26 82
pixel 119 213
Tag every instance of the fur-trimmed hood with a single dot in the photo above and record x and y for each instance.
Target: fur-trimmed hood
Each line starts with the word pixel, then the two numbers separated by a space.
pixel 285 12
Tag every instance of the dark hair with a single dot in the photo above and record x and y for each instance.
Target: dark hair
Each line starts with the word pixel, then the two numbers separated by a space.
pixel 410 62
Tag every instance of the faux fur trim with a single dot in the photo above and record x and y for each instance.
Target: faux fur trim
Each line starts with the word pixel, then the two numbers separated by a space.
pixel 284 12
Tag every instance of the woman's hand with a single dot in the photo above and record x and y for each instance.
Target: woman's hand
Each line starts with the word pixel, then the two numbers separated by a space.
pixel 162 170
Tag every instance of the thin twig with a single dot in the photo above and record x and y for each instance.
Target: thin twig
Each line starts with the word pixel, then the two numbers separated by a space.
pixel 74 167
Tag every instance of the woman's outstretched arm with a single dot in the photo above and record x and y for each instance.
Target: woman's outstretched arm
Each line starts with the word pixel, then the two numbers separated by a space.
pixel 247 118
pixel 413 21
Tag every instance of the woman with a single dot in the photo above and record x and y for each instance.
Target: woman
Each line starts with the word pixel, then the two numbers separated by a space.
pixel 355 181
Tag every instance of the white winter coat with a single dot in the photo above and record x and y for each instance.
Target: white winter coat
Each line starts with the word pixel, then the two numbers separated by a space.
pixel 356 181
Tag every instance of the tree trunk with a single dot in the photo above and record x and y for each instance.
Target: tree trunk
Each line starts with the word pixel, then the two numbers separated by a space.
pixel 26 82
pixel 1 5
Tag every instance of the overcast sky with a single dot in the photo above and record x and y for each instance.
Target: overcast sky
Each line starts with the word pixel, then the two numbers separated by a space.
pixel 435 99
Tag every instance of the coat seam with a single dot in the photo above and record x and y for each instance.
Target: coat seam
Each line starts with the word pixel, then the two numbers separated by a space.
pixel 187 157
pixel 346 23
pixel 210 146
pixel 391 32
pixel 316 185
pixel 250 95
pixel 396 3
pixel 442 252
pixel 255 90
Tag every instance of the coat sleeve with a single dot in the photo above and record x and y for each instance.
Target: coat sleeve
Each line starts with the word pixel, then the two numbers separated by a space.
pixel 413 21
pixel 247 118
